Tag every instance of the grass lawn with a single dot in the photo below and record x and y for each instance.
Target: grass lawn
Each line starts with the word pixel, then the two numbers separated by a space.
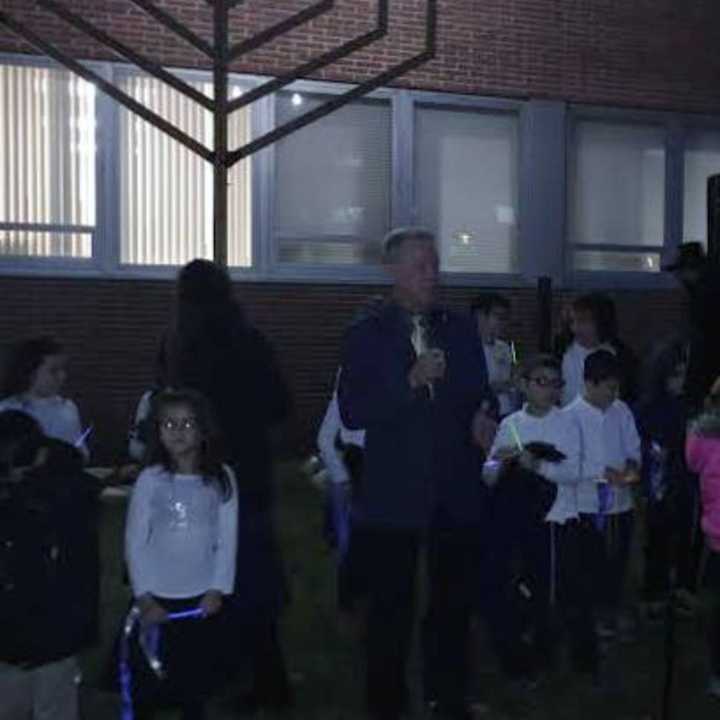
pixel 325 657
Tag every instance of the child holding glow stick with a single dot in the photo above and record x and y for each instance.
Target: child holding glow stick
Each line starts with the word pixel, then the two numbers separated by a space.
pixel 535 466
pixel 36 375
pixel 180 542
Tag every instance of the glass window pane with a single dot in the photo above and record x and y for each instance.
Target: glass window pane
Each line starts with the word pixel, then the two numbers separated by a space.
pixel 617 261
pixel 617 185
pixel 166 196
pixel 702 159
pixel 466 187
pixel 47 162
pixel 332 182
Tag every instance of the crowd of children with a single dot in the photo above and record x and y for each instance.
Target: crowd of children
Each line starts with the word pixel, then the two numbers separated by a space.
pixel 580 443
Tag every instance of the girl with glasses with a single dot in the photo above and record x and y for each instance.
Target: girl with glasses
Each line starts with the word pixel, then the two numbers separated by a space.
pixel 180 546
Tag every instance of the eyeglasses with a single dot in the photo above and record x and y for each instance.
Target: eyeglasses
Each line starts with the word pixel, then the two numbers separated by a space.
pixel 543 382
pixel 189 423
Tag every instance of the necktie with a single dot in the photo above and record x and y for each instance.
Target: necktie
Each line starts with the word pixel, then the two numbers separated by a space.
pixel 418 336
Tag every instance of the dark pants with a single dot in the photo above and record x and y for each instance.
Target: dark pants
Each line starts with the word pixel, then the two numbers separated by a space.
pixel 540 585
pixel 673 541
pixel 390 557
pixel 608 555
pixel 712 580
pixel 190 655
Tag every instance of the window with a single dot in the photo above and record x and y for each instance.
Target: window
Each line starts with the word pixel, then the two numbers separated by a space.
pixel 47 163
pixel 466 187
pixel 332 183
pixel 166 190
pixel 702 159
pixel 616 203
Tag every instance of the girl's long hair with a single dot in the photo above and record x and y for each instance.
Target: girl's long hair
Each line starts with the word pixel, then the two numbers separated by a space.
pixel 25 359
pixel 210 464
pixel 207 317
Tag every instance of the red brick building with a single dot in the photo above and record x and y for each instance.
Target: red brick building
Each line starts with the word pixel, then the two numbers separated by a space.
pixel 548 65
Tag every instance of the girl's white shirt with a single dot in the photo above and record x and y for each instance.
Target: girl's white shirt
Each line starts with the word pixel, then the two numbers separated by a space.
pixel 180 536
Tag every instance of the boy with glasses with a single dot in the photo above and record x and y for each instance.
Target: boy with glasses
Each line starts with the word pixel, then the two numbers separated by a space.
pixel 535 468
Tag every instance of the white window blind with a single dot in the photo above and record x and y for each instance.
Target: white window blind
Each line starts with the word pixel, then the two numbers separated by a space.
pixel 47 163
pixel 166 190
pixel 466 187
pixel 702 159
pixel 616 196
pixel 332 183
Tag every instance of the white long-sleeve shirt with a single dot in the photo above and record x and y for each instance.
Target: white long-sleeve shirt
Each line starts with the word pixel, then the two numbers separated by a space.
pixel 558 429
pixel 573 369
pixel 180 537
pixel 609 439
pixel 58 417
pixel 332 425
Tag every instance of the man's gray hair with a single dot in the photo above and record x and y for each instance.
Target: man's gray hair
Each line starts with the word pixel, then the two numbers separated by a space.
pixel 396 238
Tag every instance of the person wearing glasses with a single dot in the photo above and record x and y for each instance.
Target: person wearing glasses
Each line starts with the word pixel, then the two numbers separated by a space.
pixel 180 546
pixel 534 467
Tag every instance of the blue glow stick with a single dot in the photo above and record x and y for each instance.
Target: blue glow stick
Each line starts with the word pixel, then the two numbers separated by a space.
pixel 79 442
pixel 149 641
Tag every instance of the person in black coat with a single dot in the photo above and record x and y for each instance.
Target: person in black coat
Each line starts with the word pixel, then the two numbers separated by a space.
pixel 49 569
pixel 701 280
pixel 414 378
pixel 673 540
pixel 212 348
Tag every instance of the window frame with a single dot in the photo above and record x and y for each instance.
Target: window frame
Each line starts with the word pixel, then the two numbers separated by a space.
pixel 56 265
pixel 552 259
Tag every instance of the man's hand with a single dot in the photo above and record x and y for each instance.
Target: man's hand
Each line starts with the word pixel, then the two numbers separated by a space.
pixel 151 612
pixel 211 602
pixel 484 428
pixel 428 367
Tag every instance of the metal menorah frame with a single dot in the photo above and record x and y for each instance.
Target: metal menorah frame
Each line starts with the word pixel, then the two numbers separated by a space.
pixel 221 54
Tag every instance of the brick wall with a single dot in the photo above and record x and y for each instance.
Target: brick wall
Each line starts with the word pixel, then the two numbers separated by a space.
pixel 111 329
pixel 636 53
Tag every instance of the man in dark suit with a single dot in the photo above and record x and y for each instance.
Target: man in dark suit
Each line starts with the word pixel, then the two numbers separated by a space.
pixel 414 377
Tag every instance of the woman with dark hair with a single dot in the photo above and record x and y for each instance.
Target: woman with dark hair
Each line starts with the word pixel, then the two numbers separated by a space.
pixel 35 377
pixel 593 326
pixel 213 349
pixel 662 416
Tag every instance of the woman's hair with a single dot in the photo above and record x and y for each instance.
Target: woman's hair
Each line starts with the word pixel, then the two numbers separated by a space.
pixel 20 439
pixel 210 460
pixel 661 364
pixel 25 360
pixel 207 318
pixel 602 310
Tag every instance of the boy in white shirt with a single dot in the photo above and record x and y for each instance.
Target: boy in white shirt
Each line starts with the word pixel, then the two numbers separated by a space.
pixel 535 463
pixel 491 312
pixel 611 452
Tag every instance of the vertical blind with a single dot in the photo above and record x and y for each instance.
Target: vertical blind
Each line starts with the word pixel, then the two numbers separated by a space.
pixel 332 182
pixel 466 180
pixel 166 191
pixel 47 173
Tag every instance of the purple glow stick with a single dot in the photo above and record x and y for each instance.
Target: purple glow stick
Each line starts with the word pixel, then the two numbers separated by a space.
pixel 79 442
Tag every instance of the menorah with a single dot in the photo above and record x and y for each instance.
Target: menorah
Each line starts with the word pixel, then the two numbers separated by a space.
pixel 221 54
